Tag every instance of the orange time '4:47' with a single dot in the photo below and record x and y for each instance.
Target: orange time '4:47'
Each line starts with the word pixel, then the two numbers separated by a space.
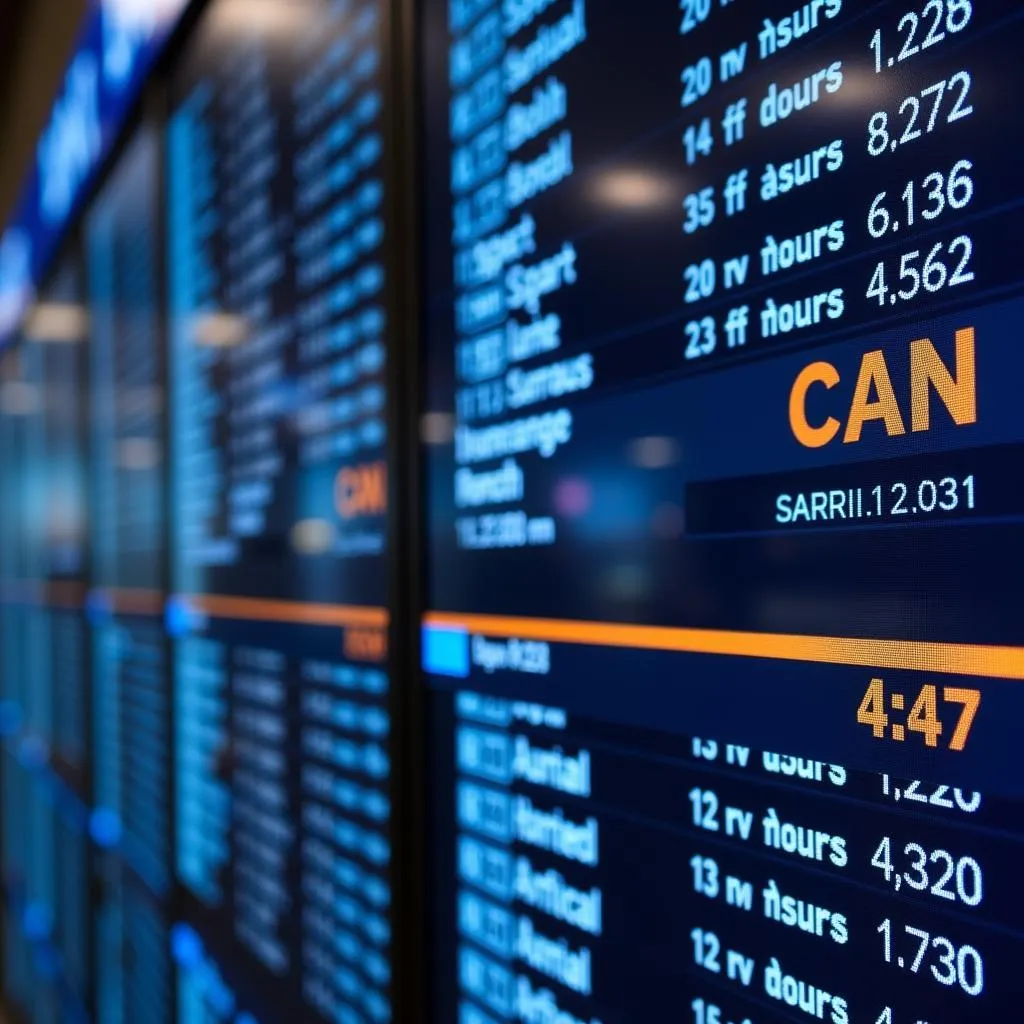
pixel 894 715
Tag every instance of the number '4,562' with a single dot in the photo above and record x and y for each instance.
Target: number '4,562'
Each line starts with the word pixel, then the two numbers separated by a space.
pixel 946 265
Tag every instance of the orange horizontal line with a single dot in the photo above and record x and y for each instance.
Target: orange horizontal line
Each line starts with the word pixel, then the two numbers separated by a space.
pixel 135 600
pixel 913 655
pixel 65 594
pixel 44 593
pixel 311 614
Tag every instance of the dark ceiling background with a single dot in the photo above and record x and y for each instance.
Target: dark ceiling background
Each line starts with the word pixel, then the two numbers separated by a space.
pixel 36 39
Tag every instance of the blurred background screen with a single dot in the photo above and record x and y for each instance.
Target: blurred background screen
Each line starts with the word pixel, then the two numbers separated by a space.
pixel 130 698
pixel 509 511
pixel 277 205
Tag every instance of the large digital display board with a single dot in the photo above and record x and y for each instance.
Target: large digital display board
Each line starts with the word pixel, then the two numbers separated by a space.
pixel 723 625
pixel 55 336
pixel 44 724
pixel 130 699
pixel 56 664
pixel 28 858
pixel 278 219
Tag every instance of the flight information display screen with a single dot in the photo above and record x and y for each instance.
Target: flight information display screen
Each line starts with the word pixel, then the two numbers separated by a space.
pixel 43 720
pixel 28 852
pixel 55 335
pixel 723 624
pixel 22 405
pixel 16 393
pixel 277 212
pixel 130 699
pixel 57 662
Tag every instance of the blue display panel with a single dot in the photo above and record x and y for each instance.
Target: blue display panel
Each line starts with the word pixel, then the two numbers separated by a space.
pixel 34 978
pixel 30 709
pixel 57 662
pixel 44 735
pixel 278 211
pixel 134 972
pixel 46 949
pixel 130 700
pixel 55 334
pixel 723 641
pixel 204 996
pixel 16 781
